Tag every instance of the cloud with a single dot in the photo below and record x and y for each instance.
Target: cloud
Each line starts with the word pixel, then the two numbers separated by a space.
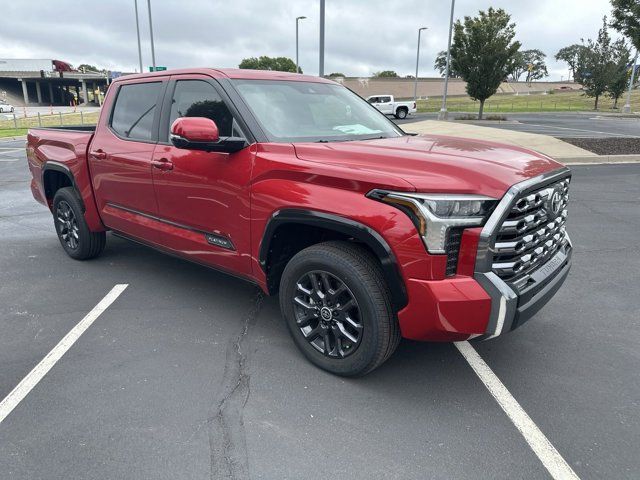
pixel 362 36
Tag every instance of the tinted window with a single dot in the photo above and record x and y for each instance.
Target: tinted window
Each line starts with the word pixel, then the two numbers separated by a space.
pixel 385 99
pixel 134 110
pixel 196 98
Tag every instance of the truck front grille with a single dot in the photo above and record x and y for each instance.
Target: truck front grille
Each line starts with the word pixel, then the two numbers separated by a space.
pixel 532 232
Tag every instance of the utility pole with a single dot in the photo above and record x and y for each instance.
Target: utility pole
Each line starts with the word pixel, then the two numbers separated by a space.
pixel 153 52
pixel 297 21
pixel 415 80
pixel 442 115
pixel 321 67
pixel 627 106
pixel 135 3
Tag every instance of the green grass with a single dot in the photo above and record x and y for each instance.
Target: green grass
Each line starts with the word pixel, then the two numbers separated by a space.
pixel 505 103
pixel 54 120
pixel 12 132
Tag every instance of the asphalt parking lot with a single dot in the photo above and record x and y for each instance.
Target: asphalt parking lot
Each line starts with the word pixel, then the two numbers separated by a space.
pixel 576 125
pixel 190 373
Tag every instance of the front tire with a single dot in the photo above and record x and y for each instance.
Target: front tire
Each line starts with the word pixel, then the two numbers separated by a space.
pixel 337 308
pixel 78 241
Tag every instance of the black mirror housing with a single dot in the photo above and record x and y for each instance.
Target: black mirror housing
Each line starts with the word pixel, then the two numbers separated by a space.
pixel 224 145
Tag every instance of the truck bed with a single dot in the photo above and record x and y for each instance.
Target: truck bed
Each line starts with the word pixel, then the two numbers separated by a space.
pixel 61 149
pixel 67 128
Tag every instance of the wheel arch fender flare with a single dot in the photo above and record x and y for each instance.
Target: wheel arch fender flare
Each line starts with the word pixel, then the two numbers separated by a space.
pixel 51 166
pixel 345 226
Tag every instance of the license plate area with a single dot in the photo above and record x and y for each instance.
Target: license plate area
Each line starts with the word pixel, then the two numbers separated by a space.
pixel 549 268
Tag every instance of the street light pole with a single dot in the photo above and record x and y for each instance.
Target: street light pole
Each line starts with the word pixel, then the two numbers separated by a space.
pixel 415 80
pixel 135 4
pixel 627 106
pixel 321 66
pixel 442 115
pixel 153 52
pixel 297 21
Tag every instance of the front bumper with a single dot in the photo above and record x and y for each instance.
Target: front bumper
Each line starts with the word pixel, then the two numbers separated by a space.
pixel 510 309
pixel 477 302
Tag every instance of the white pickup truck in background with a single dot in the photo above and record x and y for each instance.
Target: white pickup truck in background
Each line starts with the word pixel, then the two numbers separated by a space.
pixel 388 105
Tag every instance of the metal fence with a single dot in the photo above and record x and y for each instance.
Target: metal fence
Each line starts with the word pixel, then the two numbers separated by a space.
pixel 524 103
pixel 24 120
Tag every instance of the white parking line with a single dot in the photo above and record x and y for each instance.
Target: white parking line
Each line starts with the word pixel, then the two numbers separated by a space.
pixel 18 394
pixel 546 452
pixel 4 151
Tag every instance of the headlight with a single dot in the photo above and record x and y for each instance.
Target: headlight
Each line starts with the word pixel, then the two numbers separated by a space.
pixel 434 214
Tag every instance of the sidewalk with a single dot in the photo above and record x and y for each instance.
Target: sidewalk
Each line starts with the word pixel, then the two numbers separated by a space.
pixel 557 149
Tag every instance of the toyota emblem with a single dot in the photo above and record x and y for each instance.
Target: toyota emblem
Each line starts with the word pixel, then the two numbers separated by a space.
pixel 555 202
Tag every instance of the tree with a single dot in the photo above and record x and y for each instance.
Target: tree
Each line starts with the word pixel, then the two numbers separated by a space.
pixel 626 19
pixel 385 74
pixel 596 64
pixel 570 55
pixel 84 67
pixel 440 64
pixel 619 79
pixel 536 66
pixel 529 62
pixel 483 51
pixel 336 74
pixel 279 64
pixel 518 67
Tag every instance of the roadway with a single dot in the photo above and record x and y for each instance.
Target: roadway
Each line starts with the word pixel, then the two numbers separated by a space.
pixel 577 125
pixel 191 373
pixel 33 111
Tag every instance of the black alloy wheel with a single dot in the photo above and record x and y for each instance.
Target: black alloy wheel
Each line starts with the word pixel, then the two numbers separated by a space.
pixel 337 308
pixel 73 232
pixel 67 225
pixel 327 314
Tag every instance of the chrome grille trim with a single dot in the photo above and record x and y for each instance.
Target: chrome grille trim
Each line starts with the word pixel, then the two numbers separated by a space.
pixel 498 218
pixel 502 290
pixel 531 233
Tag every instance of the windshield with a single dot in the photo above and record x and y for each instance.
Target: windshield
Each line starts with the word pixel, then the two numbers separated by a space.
pixel 313 112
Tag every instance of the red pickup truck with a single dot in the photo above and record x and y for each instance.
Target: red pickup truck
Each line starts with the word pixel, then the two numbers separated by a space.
pixel 297 184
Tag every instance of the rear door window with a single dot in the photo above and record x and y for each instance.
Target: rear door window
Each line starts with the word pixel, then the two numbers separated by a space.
pixel 135 110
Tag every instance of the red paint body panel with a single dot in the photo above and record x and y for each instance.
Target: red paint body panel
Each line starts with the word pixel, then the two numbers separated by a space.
pixel 444 310
pixel 207 192
pixel 67 149
pixel 233 196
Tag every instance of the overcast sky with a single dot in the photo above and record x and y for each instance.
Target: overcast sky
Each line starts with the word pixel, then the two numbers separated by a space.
pixel 362 36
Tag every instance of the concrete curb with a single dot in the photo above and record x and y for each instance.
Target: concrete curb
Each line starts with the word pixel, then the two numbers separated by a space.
pixel 598 159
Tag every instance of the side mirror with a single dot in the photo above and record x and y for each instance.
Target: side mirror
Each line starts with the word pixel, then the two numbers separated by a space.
pixel 200 133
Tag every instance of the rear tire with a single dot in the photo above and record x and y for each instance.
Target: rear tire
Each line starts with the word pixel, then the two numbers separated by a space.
pixel 401 113
pixel 342 320
pixel 78 241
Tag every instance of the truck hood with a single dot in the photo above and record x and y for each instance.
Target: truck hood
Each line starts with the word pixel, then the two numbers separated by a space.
pixel 435 163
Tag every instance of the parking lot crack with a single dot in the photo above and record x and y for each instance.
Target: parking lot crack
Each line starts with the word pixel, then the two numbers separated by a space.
pixel 226 426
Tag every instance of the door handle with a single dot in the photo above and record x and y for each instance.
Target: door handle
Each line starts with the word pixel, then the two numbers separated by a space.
pixel 162 164
pixel 98 154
